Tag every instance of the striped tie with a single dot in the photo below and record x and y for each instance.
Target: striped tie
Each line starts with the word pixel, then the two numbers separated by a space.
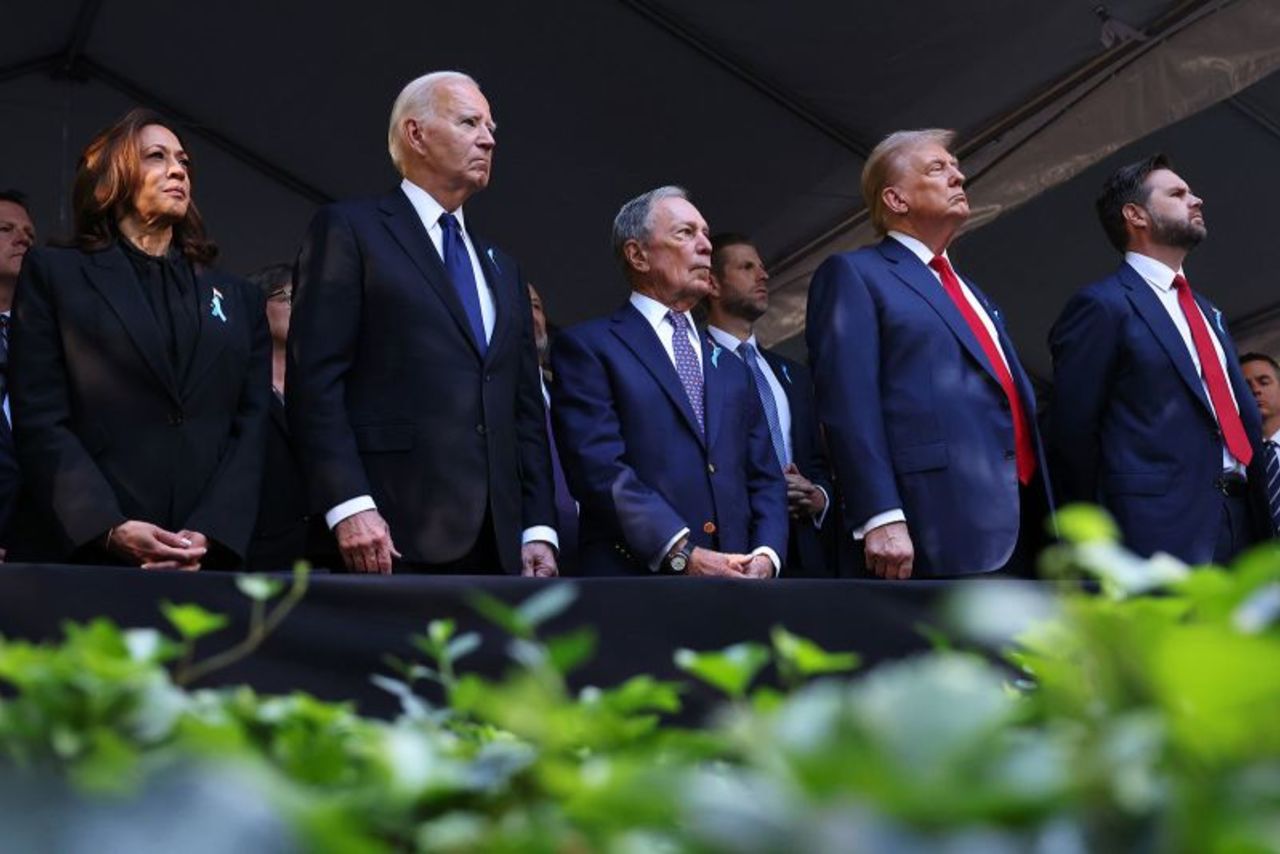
pixel 770 405
pixel 1273 485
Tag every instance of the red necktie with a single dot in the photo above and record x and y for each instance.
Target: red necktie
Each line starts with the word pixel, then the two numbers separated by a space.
pixel 1224 407
pixel 1026 453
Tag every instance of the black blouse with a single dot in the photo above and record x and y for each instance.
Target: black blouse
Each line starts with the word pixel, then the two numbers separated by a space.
pixel 169 285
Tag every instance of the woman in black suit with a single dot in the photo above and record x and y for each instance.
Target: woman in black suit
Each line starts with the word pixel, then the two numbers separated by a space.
pixel 139 376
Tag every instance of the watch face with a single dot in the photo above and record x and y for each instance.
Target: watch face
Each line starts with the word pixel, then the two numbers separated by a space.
pixel 678 563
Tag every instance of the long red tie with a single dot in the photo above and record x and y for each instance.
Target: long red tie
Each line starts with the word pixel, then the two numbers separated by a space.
pixel 1224 406
pixel 1023 448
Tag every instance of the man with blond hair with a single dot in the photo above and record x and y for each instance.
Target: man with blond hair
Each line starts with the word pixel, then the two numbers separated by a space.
pixel 929 416
pixel 414 397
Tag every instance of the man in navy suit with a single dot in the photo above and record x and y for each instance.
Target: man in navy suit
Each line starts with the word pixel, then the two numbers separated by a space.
pixel 739 297
pixel 1151 415
pixel 17 235
pixel 414 399
pixel 929 416
pixel 661 433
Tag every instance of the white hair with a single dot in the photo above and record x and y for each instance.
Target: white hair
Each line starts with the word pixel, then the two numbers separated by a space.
pixel 417 101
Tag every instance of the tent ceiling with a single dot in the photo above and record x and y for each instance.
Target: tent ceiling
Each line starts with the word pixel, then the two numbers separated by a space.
pixel 760 108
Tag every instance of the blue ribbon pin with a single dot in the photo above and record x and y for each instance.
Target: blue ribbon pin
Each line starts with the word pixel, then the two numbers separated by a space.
pixel 215 309
pixel 786 374
pixel 1217 318
pixel 715 355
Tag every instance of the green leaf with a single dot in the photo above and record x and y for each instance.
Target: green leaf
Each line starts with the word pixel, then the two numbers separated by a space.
pixel 730 670
pixel 259 587
pixel 549 602
pixel 806 658
pixel 439 631
pixel 461 646
pixel 1085 523
pixel 499 613
pixel 192 621
pixel 568 651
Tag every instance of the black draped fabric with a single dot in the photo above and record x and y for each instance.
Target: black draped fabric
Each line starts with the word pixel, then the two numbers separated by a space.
pixel 169 285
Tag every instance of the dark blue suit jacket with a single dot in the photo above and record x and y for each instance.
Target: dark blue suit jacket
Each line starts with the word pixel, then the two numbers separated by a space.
pixel 636 461
pixel 1130 425
pixel 914 414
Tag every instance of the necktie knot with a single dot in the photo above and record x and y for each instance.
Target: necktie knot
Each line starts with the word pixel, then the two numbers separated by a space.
pixel 940 265
pixel 1180 283
pixel 449 222
pixel 747 351
pixel 678 321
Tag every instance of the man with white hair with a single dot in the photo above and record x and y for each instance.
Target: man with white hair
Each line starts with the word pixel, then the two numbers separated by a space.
pixel 929 417
pixel 414 394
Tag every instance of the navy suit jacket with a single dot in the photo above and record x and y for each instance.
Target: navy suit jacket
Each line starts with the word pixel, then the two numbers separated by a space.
pixel 636 461
pixel 389 395
pixel 1130 425
pixel 915 417
pixel 809 545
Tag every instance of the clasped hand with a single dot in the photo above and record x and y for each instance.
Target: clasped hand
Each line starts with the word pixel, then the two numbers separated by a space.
pixel 152 547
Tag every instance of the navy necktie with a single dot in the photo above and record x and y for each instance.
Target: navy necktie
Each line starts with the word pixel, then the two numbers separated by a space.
pixel 4 356
pixel 458 263
pixel 687 365
pixel 770 406
pixel 1273 484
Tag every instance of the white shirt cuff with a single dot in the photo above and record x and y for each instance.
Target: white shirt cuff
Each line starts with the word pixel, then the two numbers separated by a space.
pixel 772 555
pixel 879 519
pixel 350 507
pixel 655 565
pixel 541 534
pixel 826 505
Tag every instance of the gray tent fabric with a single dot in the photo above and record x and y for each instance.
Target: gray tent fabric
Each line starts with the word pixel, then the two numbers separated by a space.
pixel 764 111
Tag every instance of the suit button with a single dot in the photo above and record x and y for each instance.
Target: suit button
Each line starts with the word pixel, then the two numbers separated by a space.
pixel 488 378
pixel 1009 455
pixel 711 468
pixel 480 429
pixel 175 418
pixel 709 528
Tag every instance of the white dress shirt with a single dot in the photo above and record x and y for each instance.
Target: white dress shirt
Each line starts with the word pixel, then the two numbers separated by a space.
pixel 925 254
pixel 429 211
pixel 731 342
pixel 655 314
pixel 1160 278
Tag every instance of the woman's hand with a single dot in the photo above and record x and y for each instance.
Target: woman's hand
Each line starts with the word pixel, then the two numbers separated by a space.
pixel 152 547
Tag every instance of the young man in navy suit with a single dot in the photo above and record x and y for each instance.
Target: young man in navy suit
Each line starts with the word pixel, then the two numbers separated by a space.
pixel 1151 415
pixel 414 399
pixel 661 433
pixel 739 297
pixel 929 416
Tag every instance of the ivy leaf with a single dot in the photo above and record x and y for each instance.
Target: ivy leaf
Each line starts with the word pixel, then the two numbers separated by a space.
pixel 192 621
pixel 568 651
pixel 549 602
pixel 499 613
pixel 461 646
pixel 1085 523
pixel 260 588
pixel 806 658
pixel 730 670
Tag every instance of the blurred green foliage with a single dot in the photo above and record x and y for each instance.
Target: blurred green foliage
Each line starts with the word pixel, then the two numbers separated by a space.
pixel 1141 717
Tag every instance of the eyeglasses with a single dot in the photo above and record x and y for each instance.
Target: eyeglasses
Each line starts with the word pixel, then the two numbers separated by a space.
pixel 284 295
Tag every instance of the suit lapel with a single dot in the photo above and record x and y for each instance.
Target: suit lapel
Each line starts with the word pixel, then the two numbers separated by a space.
pixel 112 276
pixel 406 227
pixel 1239 386
pixel 503 305
pixel 907 267
pixel 636 333
pixel 216 317
pixel 783 373
pixel 712 395
pixel 1154 314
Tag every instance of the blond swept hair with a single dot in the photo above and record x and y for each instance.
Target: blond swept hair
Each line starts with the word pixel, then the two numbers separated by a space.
pixel 417 101
pixel 885 163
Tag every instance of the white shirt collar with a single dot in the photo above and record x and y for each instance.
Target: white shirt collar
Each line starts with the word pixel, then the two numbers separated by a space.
pixel 917 247
pixel 729 341
pixel 1154 272
pixel 429 210
pixel 655 312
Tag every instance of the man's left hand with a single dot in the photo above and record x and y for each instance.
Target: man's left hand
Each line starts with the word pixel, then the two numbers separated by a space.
pixel 803 498
pixel 538 560
pixel 756 566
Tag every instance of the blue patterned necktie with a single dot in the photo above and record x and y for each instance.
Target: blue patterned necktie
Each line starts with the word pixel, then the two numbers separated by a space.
pixel 749 355
pixel 687 364
pixel 458 263
pixel 1273 485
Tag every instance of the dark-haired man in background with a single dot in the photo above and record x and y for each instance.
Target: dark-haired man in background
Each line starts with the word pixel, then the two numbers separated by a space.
pixel 1151 415
pixel 739 297
pixel 1262 373
pixel 17 234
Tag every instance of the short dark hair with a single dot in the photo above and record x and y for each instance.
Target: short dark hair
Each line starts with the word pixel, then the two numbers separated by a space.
pixel 721 242
pixel 1127 185
pixel 1262 357
pixel 271 278
pixel 18 197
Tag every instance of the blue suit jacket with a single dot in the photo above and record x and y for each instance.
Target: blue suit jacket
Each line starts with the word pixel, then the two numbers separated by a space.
pixel 636 461
pixel 1130 425
pixel 914 414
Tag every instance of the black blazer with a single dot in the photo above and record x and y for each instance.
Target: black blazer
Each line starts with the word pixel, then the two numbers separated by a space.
pixel 106 432
pixel 286 532
pixel 390 397
pixel 811 549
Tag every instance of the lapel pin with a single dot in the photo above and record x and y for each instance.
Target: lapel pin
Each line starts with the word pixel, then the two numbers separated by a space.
pixel 715 355
pixel 215 307
pixel 492 259
pixel 786 374
pixel 1217 319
